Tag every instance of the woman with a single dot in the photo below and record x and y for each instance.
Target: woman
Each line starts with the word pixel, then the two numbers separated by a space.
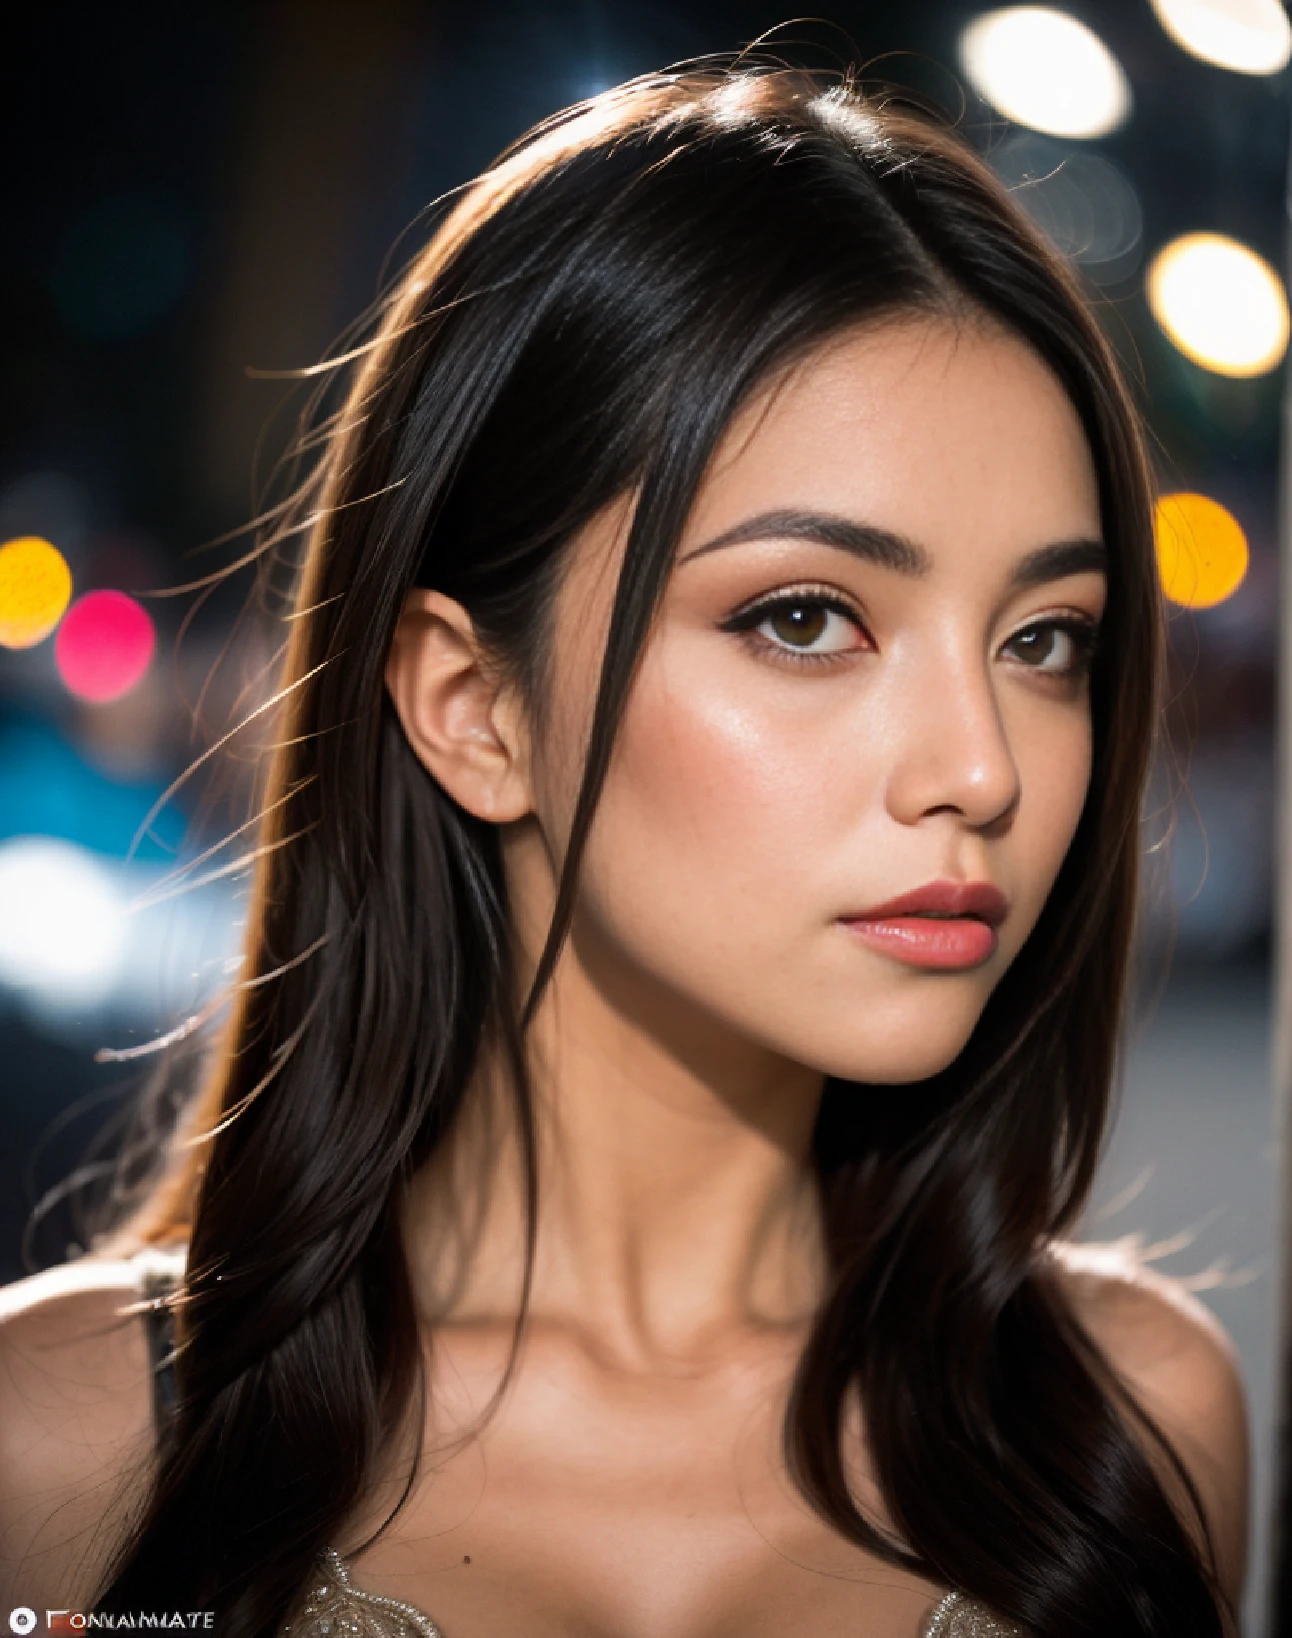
pixel 681 992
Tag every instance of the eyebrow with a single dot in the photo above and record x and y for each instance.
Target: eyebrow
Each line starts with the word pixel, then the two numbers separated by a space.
pixel 1057 562
pixel 892 551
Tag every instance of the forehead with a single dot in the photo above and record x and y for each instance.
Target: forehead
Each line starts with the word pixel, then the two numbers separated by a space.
pixel 956 435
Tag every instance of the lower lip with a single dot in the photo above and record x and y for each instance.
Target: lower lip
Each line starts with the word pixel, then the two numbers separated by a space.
pixel 924 941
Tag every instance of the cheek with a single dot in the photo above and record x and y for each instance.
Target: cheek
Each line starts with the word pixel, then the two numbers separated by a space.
pixel 687 790
pixel 727 791
pixel 705 855
pixel 734 828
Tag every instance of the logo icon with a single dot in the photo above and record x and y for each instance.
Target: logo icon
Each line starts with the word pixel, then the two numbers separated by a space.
pixel 22 1620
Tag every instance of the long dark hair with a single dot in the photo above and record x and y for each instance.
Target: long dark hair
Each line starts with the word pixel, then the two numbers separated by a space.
pixel 583 324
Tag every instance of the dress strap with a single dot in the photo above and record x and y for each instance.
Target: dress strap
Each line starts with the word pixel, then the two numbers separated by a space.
pixel 158 1280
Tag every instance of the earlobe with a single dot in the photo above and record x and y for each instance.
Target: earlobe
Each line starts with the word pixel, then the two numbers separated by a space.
pixel 463 723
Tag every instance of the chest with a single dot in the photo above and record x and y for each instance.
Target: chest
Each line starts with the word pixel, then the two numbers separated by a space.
pixel 635 1509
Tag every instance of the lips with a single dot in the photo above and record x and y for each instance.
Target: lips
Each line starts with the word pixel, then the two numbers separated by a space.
pixel 944 925
pixel 979 900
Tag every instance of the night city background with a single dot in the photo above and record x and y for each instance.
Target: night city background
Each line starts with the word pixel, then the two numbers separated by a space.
pixel 202 197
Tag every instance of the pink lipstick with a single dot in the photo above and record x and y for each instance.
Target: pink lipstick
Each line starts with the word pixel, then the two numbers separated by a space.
pixel 945 925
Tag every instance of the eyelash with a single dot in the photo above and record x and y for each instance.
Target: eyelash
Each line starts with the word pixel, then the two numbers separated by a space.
pixel 1081 630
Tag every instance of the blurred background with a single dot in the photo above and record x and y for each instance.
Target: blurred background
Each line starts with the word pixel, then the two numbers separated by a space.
pixel 202 195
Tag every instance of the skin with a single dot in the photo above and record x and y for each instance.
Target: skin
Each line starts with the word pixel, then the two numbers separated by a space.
pixel 630 1480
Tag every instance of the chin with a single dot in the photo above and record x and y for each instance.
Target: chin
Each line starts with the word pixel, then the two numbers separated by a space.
pixel 903 1044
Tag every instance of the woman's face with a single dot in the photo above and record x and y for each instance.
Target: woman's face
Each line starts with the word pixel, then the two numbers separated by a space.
pixel 868 680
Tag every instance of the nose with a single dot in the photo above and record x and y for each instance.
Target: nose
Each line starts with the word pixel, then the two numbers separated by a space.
pixel 953 751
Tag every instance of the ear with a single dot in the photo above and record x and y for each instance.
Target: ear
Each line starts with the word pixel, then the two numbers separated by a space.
pixel 465 726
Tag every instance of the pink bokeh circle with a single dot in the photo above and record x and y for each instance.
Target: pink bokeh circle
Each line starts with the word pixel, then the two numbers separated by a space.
pixel 104 646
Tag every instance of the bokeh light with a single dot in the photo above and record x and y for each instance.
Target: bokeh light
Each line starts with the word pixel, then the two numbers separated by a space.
pixel 1220 303
pixel 1084 204
pixel 1041 67
pixel 1249 36
pixel 35 584
pixel 63 922
pixel 1201 550
pixel 104 646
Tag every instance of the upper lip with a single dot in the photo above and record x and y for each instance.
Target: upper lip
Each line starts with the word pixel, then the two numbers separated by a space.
pixel 977 899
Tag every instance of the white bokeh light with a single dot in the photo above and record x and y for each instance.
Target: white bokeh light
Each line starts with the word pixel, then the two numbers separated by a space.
pixel 1042 68
pixel 1220 303
pixel 1249 36
pixel 63 922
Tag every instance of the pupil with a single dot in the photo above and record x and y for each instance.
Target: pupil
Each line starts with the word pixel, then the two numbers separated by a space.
pixel 800 625
pixel 1039 645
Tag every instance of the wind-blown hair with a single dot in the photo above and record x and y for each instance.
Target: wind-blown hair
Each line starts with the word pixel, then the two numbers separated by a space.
pixel 582 326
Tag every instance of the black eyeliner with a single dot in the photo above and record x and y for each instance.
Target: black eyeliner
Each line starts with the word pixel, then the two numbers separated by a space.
pixel 752 614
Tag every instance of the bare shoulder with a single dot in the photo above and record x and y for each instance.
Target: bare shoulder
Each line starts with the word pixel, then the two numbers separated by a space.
pixel 1179 1364
pixel 76 1437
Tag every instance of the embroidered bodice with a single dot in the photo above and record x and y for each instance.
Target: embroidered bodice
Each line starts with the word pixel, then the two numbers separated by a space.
pixel 334 1608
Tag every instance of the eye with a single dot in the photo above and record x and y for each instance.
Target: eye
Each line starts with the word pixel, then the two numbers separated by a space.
pixel 1061 648
pixel 808 627
pixel 802 625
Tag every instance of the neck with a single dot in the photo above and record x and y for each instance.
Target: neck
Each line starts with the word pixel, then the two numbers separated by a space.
pixel 676 1203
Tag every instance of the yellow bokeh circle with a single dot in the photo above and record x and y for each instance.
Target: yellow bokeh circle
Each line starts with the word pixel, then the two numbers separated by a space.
pixel 35 585
pixel 1201 550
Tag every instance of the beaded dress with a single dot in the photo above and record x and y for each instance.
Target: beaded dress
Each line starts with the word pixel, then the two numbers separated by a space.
pixel 333 1607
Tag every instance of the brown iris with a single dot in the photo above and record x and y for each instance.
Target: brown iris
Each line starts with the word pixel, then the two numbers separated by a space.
pixel 1035 646
pixel 799 624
